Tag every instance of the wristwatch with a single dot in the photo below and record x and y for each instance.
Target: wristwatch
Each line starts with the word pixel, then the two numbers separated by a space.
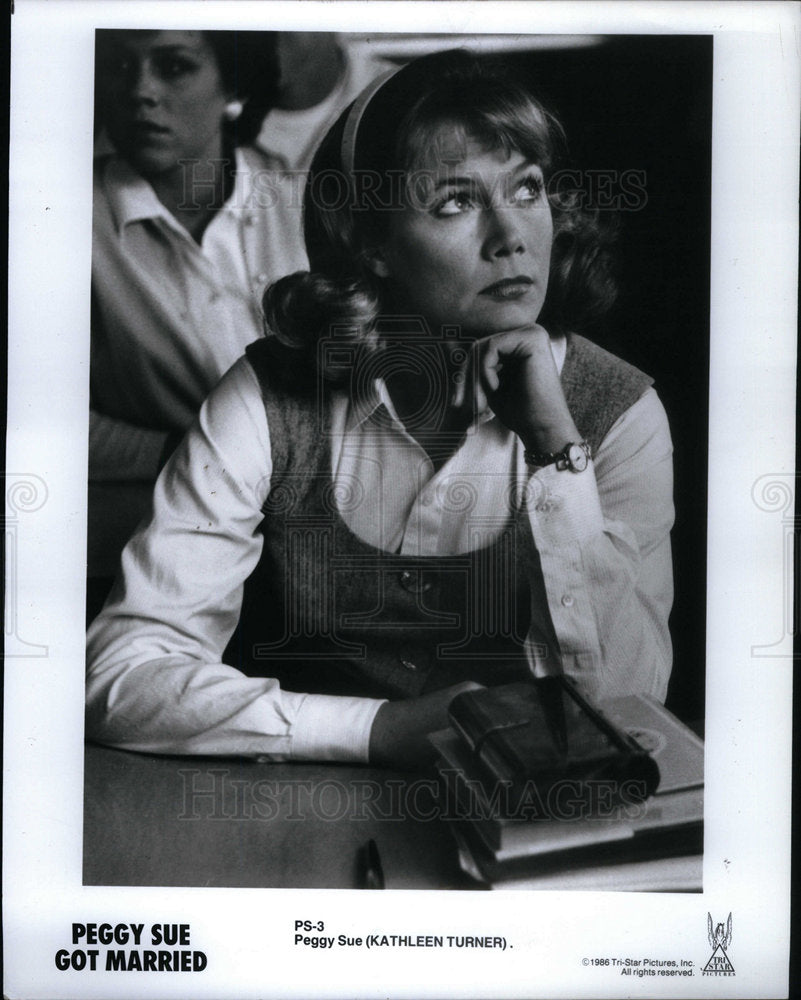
pixel 575 456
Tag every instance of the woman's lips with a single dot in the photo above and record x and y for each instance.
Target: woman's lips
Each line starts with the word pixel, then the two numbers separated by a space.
pixel 509 288
pixel 145 129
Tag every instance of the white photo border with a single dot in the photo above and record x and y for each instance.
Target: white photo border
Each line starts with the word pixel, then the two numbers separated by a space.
pixel 751 485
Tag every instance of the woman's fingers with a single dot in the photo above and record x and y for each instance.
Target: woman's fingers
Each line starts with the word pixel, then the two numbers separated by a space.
pixel 488 366
pixel 468 389
pixel 502 373
pixel 460 382
pixel 498 372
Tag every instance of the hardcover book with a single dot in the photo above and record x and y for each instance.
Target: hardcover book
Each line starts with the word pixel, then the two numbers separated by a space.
pixel 505 840
pixel 536 735
pixel 512 827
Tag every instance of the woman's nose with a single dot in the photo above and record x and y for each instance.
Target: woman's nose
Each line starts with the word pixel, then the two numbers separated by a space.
pixel 503 236
pixel 143 84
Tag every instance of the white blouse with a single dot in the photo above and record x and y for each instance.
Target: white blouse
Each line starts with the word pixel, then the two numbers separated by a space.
pixel 155 679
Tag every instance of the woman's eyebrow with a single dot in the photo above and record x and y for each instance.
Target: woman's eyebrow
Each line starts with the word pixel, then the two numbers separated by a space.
pixel 449 181
pixel 525 167
pixel 170 48
pixel 477 178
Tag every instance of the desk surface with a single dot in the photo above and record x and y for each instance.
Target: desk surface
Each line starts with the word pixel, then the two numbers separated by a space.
pixel 189 821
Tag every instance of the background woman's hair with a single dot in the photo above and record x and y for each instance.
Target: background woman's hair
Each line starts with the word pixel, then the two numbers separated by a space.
pixel 248 65
pixel 344 217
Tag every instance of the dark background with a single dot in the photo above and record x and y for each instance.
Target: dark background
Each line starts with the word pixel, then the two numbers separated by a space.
pixel 645 103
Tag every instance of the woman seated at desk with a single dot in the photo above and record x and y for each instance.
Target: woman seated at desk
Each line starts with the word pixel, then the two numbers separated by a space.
pixel 189 228
pixel 426 478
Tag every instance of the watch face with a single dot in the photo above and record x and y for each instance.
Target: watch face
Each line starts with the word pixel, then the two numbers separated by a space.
pixel 577 458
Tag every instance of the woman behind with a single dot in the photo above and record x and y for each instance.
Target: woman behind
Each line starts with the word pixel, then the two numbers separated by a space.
pixel 421 484
pixel 189 227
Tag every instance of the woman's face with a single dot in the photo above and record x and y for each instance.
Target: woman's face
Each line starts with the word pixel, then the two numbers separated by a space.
pixel 164 99
pixel 474 250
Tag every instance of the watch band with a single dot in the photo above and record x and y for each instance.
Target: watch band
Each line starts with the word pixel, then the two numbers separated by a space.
pixel 575 456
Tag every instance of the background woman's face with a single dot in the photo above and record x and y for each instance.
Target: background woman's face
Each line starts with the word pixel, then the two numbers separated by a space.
pixel 473 247
pixel 164 98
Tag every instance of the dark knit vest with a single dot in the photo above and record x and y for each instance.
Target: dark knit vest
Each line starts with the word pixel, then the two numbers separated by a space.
pixel 326 612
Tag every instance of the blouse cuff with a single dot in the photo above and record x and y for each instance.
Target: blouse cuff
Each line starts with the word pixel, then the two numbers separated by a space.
pixel 329 727
pixel 564 507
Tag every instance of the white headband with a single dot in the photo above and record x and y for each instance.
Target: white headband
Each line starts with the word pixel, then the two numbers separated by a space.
pixel 348 149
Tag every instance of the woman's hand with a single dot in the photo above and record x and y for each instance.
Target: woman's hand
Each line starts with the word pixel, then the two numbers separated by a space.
pixel 514 373
pixel 399 737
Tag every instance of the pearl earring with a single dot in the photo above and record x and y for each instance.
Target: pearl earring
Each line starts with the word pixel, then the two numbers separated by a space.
pixel 233 109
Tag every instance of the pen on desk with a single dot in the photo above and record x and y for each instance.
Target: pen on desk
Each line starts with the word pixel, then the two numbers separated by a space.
pixel 372 873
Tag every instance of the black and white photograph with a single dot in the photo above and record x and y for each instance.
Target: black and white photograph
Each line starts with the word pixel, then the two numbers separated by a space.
pixel 290 607
pixel 407 425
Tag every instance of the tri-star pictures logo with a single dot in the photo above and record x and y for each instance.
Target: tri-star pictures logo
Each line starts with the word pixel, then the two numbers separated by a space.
pixel 719 941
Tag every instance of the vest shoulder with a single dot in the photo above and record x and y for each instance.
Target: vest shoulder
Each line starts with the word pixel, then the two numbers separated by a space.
pixel 583 354
pixel 589 367
pixel 599 387
pixel 296 415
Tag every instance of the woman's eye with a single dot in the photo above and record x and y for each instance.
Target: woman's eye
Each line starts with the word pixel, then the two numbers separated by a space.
pixel 454 204
pixel 529 189
pixel 171 67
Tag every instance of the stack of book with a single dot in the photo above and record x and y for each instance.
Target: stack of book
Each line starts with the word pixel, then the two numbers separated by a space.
pixel 545 791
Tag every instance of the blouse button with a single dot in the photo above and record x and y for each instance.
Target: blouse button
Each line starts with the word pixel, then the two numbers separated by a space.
pixel 261 278
pixel 567 600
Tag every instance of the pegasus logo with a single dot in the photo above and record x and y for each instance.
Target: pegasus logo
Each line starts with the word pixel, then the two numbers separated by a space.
pixel 719 941
pixel 719 937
